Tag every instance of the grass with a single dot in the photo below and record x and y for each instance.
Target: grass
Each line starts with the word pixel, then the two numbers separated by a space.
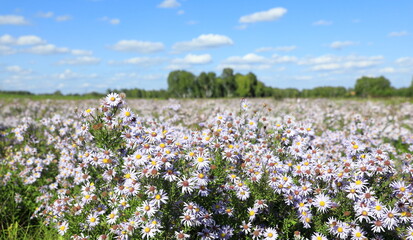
pixel 45 96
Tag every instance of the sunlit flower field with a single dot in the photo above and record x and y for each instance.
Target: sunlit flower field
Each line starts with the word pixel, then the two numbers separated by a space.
pixel 121 168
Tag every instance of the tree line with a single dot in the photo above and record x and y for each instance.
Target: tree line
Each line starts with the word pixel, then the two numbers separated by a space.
pixel 184 84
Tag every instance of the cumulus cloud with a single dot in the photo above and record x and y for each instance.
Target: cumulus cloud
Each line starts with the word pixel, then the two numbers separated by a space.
pixel 63 18
pixel 45 14
pixel 189 60
pixel 405 61
pixel 29 40
pixel 204 41
pixel 398 34
pixel 84 60
pixel 22 40
pixel 194 59
pixel 143 61
pixel 169 4
pixel 269 15
pixel 138 46
pixel 334 63
pixel 253 61
pixel 277 49
pixel 47 49
pixel 13 20
pixel 17 69
pixel 322 23
pixel 113 21
pixel 68 74
pixel 342 44
pixel 6 50
pixel 81 52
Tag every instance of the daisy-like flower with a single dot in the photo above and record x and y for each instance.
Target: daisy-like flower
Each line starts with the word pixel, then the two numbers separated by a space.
pixel 390 218
pixel 112 217
pixel 181 235
pixel 187 185
pixel 62 228
pixel 160 197
pixel 93 220
pixel 148 208
pixel 149 231
pixel 252 213
pixel 322 203
pixel 270 234
pixel 357 233
pixel 188 219
pixel 127 115
pixel 318 236
pixel 113 99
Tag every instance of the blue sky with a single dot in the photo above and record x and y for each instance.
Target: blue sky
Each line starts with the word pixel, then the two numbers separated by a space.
pixel 80 46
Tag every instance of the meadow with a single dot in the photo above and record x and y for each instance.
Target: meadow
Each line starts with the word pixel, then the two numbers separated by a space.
pixel 119 168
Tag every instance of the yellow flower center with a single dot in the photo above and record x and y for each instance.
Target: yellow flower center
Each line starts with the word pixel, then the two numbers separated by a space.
pixel 252 213
pixel 127 114
pixel 322 203
pixel 92 219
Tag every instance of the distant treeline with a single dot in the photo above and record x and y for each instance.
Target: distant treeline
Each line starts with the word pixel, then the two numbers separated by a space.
pixel 184 84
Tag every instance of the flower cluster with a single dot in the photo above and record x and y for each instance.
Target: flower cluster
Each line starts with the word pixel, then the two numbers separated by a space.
pixel 111 173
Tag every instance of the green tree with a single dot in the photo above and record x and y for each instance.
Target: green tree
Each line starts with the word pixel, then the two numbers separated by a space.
pixel 373 87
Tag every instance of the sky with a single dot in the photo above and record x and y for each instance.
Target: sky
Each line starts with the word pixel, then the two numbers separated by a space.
pixel 79 46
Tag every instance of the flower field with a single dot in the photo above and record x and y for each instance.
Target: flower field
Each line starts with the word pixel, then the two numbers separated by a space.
pixel 121 168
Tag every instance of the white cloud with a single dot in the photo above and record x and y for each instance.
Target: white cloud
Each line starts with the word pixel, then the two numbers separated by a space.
pixel 81 52
pixel 22 40
pixel 342 44
pixel 113 21
pixel 63 18
pixel 244 67
pixel 192 22
pixel 269 15
pixel 68 74
pixel 84 60
pixel 17 69
pixel 169 4
pixel 278 49
pixel 45 14
pixel 13 20
pixel 7 39
pixel 204 41
pixel 47 49
pixel 189 60
pixel 405 61
pixel 138 46
pixel 6 50
pixel 249 58
pixel 194 59
pixel 387 70
pixel 283 59
pixel 322 23
pixel 398 34
pixel 29 40
pixel 144 61
pixel 342 63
